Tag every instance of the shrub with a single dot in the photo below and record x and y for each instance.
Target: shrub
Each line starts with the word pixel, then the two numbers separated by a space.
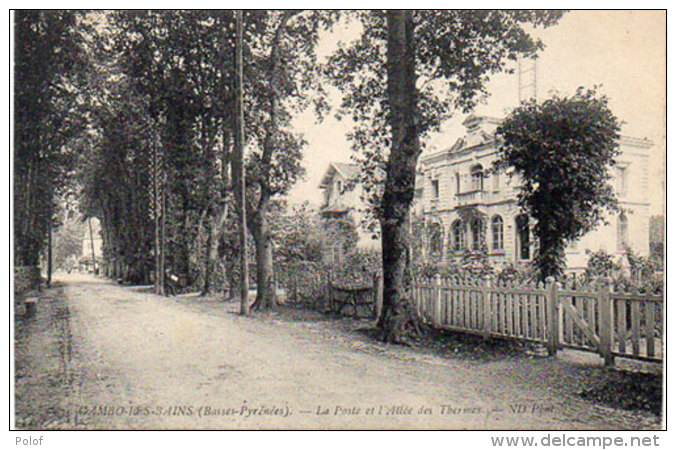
pixel 516 274
pixel 26 278
pixel 643 272
pixel 357 268
pixel 472 263
pixel 601 264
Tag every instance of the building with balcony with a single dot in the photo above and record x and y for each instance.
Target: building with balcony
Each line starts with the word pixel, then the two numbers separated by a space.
pixel 343 197
pixel 467 206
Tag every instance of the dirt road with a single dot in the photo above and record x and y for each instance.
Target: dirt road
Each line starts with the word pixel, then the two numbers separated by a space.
pixel 140 361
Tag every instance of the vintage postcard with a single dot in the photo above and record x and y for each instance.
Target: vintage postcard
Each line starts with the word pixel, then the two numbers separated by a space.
pixel 339 220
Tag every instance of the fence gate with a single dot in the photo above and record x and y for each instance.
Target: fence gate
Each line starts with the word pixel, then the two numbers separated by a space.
pixel 578 320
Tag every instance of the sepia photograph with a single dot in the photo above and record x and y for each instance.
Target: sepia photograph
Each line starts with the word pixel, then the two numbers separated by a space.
pixel 339 220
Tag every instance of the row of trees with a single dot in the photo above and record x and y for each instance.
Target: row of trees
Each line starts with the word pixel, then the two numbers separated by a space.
pixel 48 74
pixel 154 127
pixel 161 155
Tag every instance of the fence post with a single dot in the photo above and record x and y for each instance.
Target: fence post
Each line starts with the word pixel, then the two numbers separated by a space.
pixel 294 288
pixel 486 305
pixel 329 286
pixel 552 316
pixel 437 300
pixel 606 322
pixel 378 292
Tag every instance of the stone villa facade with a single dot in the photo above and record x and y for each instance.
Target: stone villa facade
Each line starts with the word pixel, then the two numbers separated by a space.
pixel 464 205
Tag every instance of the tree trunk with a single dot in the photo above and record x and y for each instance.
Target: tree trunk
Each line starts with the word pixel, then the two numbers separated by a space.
pixel 265 296
pixel 207 258
pixel 551 255
pixel 156 216
pixel 91 242
pixel 163 240
pixel 184 244
pixel 238 164
pixel 216 236
pixel 234 290
pixel 260 228
pixel 49 251
pixel 49 235
pixel 397 311
pixel 24 254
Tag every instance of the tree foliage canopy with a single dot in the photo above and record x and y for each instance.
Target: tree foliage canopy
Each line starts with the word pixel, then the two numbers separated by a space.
pixel 163 114
pixel 562 150
pixel 50 70
pixel 457 51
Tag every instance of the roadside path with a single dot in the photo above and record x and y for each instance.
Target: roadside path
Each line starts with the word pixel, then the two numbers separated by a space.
pixel 141 361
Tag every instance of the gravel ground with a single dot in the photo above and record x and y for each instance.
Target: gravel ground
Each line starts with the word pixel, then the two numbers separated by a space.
pixel 123 358
pixel 42 355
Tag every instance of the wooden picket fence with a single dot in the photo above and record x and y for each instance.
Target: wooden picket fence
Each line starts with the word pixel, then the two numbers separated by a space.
pixel 597 318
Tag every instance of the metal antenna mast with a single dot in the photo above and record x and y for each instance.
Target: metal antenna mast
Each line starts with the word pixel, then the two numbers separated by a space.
pixel 528 76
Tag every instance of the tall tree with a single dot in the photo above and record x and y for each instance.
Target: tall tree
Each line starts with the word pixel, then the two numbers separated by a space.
pixel 408 73
pixel 281 74
pixel 562 150
pixel 117 158
pixel 399 170
pixel 48 70
pixel 168 74
pixel 176 72
pixel 238 163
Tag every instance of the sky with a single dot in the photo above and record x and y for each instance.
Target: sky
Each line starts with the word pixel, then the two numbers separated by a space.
pixel 623 52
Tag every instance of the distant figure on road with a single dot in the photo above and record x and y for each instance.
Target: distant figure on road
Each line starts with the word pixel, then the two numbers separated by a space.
pixel 171 282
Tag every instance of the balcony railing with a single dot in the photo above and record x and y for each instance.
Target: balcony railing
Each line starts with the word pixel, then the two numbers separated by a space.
pixel 475 197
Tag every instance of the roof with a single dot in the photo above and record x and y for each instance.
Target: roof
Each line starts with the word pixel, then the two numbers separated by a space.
pixel 334 209
pixel 480 131
pixel 636 142
pixel 347 171
pixel 473 120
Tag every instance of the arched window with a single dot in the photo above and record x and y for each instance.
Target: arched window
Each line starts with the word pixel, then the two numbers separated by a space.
pixel 497 230
pixel 523 237
pixel 436 239
pixel 477 233
pixel 477 173
pixel 458 235
pixel 622 232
